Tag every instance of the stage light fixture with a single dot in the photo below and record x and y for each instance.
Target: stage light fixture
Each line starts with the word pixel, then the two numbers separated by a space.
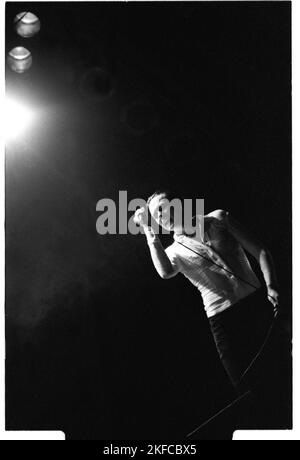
pixel 19 59
pixel 27 24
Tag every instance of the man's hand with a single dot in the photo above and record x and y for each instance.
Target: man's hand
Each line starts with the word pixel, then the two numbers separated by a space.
pixel 141 217
pixel 273 297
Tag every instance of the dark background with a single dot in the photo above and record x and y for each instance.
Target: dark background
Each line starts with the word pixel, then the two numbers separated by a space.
pixel 96 343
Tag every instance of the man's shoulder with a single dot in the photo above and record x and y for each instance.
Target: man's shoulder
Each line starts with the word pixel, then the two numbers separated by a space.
pixel 217 219
pixel 220 214
pixel 171 247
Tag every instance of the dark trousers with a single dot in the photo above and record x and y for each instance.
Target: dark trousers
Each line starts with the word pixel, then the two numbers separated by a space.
pixel 239 333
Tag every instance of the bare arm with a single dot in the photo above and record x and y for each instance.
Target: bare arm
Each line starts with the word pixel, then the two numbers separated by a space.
pixel 159 257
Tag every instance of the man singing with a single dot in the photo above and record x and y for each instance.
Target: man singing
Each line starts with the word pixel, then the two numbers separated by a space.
pixel 235 301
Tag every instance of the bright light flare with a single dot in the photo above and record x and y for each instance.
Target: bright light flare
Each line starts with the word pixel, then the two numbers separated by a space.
pixel 17 118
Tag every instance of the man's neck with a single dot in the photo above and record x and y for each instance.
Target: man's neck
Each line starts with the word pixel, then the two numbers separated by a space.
pixel 189 232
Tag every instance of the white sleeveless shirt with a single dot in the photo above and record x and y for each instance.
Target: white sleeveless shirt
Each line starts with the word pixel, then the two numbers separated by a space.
pixel 219 267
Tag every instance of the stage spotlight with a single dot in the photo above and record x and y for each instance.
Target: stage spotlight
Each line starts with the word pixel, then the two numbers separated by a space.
pixel 27 24
pixel 19 59
pixel 17 117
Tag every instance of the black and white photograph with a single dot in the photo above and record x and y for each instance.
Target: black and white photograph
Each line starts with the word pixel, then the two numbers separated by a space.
pixel 148 222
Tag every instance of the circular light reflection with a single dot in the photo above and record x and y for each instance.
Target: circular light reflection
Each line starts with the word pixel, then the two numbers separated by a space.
pixel 97 83
pixel 139 117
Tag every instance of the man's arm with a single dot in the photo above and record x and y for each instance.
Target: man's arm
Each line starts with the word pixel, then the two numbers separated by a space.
pixel 159 257
pixel 256 249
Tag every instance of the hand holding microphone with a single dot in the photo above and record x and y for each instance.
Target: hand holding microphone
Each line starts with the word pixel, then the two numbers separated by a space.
pixel 141 217
pixel 273 297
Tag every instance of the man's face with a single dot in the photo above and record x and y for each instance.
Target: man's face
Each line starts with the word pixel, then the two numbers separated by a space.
pixel 161 212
